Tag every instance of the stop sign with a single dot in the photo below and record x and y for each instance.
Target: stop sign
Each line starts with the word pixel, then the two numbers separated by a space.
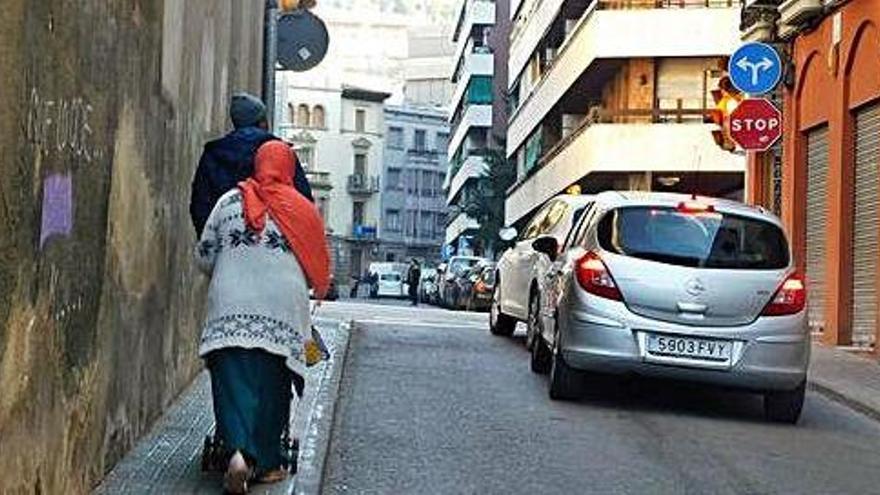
pixel 755 124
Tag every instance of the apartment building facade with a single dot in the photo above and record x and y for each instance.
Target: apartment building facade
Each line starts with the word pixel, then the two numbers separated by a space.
pixel 413 215
pixel 426 69
pixel 478 110
pixel 611 94
pixel 339 135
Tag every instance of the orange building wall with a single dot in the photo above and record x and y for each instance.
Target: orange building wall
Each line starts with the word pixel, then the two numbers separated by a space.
pixel 831 80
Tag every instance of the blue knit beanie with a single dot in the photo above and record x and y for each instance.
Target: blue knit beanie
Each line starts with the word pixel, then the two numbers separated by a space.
pixel 246 110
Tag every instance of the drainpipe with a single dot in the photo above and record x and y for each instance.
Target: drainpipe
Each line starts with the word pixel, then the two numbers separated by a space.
pixel 270 55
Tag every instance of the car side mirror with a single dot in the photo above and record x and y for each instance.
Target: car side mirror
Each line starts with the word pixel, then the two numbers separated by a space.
pixel 508 234
pixel 547 245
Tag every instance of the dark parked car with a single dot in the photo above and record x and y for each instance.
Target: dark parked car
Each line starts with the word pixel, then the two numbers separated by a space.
pixel 475 289
pixel 449 284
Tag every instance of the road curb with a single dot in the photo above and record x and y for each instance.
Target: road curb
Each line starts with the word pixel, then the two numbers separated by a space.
pixel 844 399
pixel 315 442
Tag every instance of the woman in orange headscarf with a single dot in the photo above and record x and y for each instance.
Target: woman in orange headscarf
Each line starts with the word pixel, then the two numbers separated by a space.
pixel 264 248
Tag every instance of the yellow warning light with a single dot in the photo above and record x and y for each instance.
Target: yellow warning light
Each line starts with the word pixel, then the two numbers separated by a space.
pixel 573 190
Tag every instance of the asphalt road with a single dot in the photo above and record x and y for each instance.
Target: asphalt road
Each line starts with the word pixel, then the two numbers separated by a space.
pixel 431 403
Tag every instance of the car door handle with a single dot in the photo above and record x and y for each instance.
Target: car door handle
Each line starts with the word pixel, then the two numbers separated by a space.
pixel 693 308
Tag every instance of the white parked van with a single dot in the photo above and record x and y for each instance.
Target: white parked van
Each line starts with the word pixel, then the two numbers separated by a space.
pixel 390 277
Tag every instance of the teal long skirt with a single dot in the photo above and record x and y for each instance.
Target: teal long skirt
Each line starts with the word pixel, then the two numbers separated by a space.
pixel 252 392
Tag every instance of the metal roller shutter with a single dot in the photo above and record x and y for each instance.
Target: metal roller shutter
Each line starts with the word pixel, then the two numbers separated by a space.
pixel 817 214
pixel 865 225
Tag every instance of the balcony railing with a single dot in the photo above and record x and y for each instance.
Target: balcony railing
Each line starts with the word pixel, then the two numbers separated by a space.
pixel 426 152
pixel 656 115
pixel 319 180
pixel 362 184
pixel 364 232
pixel 664 4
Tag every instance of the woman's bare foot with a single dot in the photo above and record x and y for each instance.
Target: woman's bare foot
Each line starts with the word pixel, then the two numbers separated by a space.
pixel 237 475
pixel 273 476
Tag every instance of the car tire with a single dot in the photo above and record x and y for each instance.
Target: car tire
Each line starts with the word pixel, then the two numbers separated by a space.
pixel 785 406
pixel 565 381
pixel 541 358
pixel 500 324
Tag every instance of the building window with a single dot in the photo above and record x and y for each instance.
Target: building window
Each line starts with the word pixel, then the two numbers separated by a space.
pixel 306 157
pixel 291 113
pixel 319 117
pixel 442 142
pixel 427 183
pixel 357 213
pixel 419 140
pixel 360 120
pixel 303 116
pixel 392 220
pixel 392 180
pixel 411 223
pixel 360 164
pixel 395 137
pixel 410 177
pixel 426 225
pixel 323 206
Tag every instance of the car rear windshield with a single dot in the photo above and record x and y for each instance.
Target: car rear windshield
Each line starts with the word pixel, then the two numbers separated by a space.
pixel 695 239
pixel 459 266
pixel 390 277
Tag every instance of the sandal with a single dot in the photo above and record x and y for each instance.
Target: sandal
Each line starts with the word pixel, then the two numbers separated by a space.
pixel 237 475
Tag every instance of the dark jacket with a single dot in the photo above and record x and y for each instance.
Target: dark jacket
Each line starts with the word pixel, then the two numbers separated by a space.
pixel 226 162
pixel 413 278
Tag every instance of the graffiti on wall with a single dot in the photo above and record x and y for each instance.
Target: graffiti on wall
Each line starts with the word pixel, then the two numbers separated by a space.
pixel 57 218
pixel 62 126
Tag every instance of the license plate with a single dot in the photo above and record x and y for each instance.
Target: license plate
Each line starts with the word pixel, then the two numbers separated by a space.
pixel 717 351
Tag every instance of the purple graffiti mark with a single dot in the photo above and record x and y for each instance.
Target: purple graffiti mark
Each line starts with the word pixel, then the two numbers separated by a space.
pixel 57 207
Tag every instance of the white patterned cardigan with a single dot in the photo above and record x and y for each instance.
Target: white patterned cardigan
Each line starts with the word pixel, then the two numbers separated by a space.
pixel 259 296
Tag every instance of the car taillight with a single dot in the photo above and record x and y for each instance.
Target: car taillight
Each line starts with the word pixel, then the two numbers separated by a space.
pixel 790 299
pixel 594 277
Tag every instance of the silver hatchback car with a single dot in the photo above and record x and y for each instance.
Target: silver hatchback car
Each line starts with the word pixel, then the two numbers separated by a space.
pixel 678 287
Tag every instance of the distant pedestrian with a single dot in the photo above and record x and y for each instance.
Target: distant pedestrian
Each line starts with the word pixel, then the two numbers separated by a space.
pixel 230 159
pixel 355 285
pixel 374 285
pixel 264 247
pixel 413 278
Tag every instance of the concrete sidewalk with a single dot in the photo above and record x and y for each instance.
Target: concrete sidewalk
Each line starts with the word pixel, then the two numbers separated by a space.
pixel 843 376
pixel 168 459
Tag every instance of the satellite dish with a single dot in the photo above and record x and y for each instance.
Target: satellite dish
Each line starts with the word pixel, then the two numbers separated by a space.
pixel 302 40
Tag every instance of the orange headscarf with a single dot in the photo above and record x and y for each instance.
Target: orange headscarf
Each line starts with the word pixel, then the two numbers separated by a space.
pixel 270 191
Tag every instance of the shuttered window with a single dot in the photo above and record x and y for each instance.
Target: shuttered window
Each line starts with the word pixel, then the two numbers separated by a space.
pixel 817 205
pixel 865 225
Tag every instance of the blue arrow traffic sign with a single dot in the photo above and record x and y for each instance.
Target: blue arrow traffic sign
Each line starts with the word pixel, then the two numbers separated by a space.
pixel 755 68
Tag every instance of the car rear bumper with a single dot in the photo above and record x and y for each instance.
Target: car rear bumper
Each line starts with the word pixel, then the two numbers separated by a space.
pixel 770 355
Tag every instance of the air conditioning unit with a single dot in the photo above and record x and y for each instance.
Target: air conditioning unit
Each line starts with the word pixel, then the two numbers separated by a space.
pixel 796 12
